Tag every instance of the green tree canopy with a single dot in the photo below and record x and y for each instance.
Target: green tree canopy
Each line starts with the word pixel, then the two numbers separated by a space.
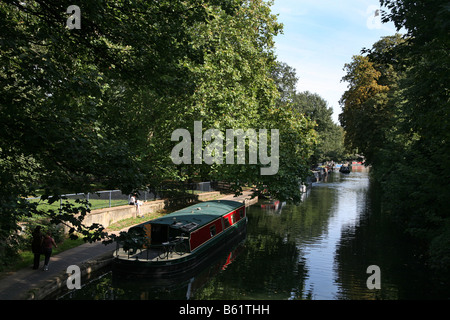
pixel 96 106
pixel 396 111
pixel 286 79
pixel 367 105
pixel 330 145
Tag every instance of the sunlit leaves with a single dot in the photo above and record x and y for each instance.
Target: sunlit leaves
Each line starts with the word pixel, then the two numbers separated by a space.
pixel 404 130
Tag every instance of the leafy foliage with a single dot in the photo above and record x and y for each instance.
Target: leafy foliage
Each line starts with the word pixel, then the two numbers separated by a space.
pixel 330 136
pixel 397 112
pixel 95 107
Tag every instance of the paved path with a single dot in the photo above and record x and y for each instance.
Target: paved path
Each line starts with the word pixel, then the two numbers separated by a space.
pixel 16 285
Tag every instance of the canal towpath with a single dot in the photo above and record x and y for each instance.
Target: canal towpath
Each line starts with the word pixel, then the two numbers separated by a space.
pixel 29 284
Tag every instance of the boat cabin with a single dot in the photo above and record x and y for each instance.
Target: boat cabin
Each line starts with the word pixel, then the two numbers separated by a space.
pixel 197 223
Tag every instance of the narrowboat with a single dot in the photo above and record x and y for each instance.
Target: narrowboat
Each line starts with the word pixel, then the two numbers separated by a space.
pixel 179 242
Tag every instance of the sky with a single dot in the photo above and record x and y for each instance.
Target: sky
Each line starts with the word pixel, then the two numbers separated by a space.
pixel 320 36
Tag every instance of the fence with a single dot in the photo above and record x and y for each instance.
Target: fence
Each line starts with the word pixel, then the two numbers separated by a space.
pixel 114 198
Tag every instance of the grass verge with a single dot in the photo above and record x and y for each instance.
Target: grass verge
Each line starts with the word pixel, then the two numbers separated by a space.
pixel 126 223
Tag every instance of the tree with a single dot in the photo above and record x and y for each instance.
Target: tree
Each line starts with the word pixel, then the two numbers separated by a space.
pixel 368 106
pixel 72 101
pixel 234 90
pixel 396 111
pixel 426 97
pixel 330 140
pixel 357 111
pixel 286 80
pixel 95 107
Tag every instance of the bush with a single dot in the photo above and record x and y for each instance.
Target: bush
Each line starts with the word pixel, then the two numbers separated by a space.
pixel 440 251
pixel 8 249
pixel 30 224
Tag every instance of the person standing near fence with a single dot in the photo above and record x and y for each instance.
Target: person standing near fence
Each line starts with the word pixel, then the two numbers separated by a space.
pixel 137 203
pixel 132 200
pixel 48 243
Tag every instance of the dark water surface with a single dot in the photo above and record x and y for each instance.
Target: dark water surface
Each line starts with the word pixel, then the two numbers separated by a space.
pixel 318 250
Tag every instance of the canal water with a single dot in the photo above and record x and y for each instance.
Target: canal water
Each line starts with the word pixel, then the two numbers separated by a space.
pixel 318 250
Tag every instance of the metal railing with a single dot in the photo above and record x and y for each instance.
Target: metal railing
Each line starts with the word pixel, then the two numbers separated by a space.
pixel 100 199
pixel 114 198
pixel 172 249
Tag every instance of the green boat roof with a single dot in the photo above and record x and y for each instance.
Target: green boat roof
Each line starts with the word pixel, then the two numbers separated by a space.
pixel 192 217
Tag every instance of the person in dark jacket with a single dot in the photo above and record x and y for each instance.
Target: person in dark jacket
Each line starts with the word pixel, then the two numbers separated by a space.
pixel 36 246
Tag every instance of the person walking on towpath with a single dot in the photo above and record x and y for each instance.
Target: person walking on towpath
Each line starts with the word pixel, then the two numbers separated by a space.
pixel 48 243
pixel 36 246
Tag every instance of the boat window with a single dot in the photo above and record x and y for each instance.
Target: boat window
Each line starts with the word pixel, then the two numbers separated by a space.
pixel 232 219
pixel 212 230
pixel 226 222
pixel 160 233
pixel 241 212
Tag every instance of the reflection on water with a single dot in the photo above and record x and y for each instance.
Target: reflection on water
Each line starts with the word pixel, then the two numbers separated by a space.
pixel 319 249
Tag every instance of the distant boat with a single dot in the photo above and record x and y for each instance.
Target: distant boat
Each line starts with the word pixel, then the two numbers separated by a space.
pixel 179 242
pixel 273 205
pixel 345 169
